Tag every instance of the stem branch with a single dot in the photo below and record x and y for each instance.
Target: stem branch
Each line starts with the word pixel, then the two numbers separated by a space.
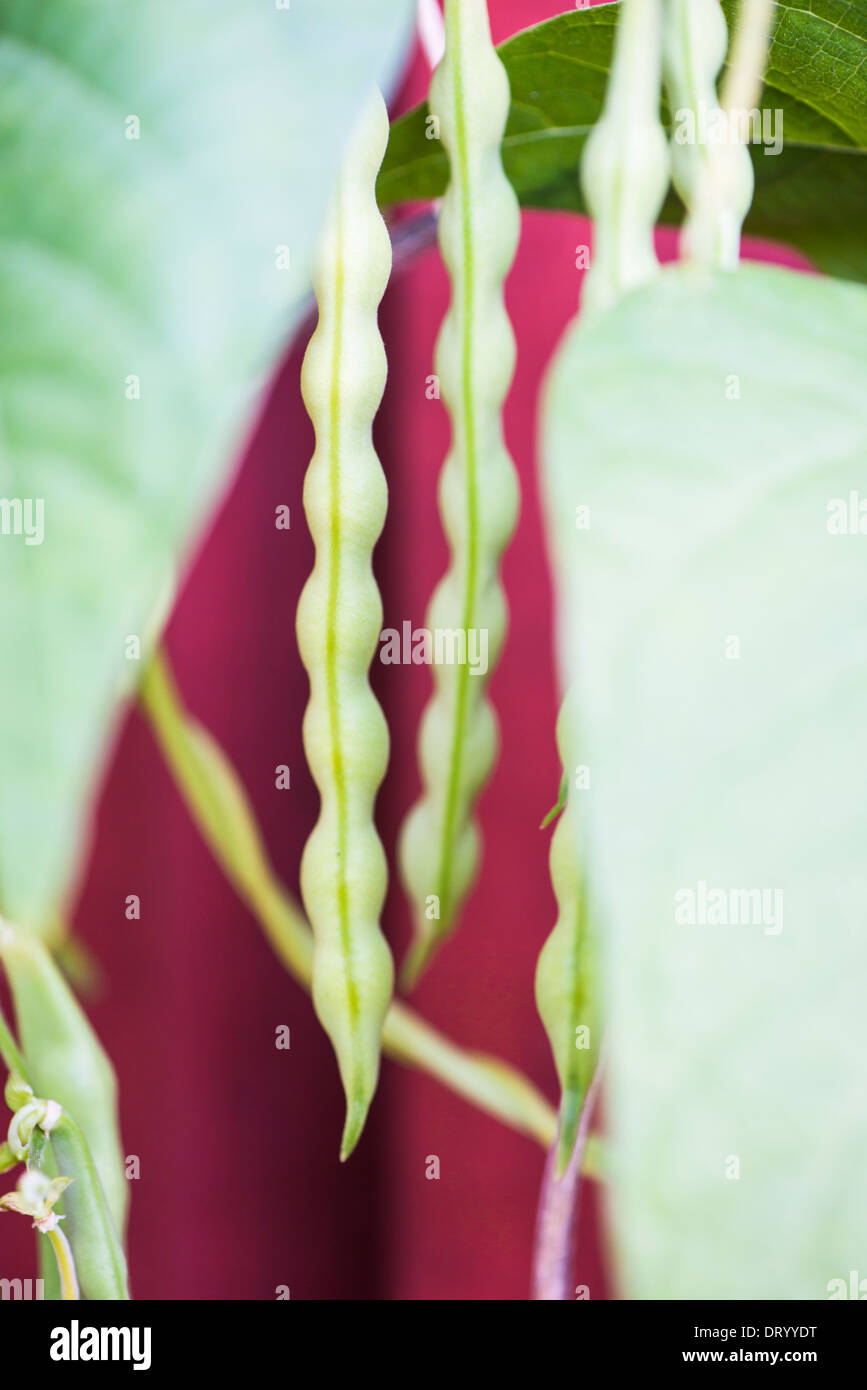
pixel 9 1051
pixel 557 1218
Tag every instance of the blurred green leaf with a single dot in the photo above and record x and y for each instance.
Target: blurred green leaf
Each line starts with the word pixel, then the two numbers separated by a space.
pixel 717 633
pixel 159 163
pixel 812 196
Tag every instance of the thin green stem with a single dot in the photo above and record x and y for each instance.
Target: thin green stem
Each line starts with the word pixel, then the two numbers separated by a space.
pixel 69 1291
pixel 749 55
pixel 485 1082
pixel 9 1050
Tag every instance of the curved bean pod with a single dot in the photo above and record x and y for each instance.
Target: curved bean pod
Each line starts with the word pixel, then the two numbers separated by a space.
pixel 714 178
pixel 566 974
pixel 65 1060
pixel 624 169
pixel 625 177
pixel 343 868
pixel 475 358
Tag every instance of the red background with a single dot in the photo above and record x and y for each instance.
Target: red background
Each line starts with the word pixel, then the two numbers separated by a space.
pixel 240 1188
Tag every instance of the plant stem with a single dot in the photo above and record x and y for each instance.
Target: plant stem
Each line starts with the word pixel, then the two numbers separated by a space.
pixel 219 806
pixel 431 31
pixel 557 1217
pixel 749 54
pixel 69 1291
pixel 484 1081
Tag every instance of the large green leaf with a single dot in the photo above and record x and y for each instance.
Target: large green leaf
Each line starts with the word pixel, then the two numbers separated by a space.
pixel 717 631
pixel 155 258
pixel 813 195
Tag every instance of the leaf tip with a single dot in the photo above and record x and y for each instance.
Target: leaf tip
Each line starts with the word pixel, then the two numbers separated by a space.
pixel 356 1114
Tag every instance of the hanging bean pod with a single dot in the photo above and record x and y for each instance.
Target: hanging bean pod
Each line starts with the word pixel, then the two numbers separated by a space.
pixel 567 984
pixel 711 167
pixel 475 359
pixel 343 869
pixel 624 169
pixel 625 178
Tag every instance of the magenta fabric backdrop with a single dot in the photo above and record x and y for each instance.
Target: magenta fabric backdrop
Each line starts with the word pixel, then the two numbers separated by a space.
pixel 240 1188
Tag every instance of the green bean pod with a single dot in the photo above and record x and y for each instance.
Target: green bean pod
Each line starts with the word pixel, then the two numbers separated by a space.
pixel 566 974
pixel 343 868
pixel 65 1060
pixel 714 177
pixel 625 177
pixel 625 165
pixel 475 358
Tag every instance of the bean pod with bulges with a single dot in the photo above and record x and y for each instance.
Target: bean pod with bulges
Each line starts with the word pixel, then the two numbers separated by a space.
pixel 625 165
pixel 566 975
pixel 711 166
pixel 343 868
pixel 478 493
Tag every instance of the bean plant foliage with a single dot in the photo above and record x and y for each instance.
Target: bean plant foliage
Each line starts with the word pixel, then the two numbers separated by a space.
pixel 717 633
pixel 703 437
pixel 157 223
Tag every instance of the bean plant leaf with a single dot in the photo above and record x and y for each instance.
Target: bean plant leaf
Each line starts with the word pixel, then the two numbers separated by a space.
pixel 714 618
pixel 812 194
pixel 163 171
